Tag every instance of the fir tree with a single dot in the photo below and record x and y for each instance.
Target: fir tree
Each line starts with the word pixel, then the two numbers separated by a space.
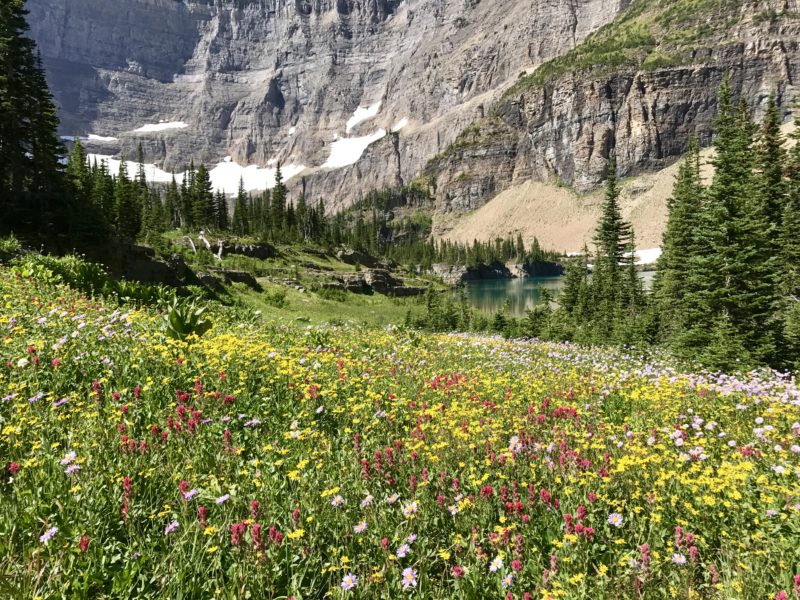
pixel 202 198
pixel 771 161
pixel 171 205
pixel 30 150
pixel 680 248
pixel 240 211
pixel 128 217
pixel 278 217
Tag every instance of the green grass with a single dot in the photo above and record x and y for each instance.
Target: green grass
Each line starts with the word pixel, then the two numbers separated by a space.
pixel 373 310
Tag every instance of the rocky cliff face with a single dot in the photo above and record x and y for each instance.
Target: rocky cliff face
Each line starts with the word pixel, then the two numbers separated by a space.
pixel 265 80
pixel 564 128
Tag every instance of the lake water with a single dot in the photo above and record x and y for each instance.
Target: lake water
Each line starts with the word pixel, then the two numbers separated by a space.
pixel 523 293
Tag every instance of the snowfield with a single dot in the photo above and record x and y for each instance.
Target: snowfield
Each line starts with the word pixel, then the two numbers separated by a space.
pixel 155 127
pixel 362 114
pixel 347 151
pixel 89 138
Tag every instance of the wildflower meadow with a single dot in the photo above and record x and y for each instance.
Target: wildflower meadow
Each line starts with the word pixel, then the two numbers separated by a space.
pixel 260 461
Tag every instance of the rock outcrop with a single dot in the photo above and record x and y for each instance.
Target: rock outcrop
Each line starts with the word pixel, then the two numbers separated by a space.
pixel 457 274
pixel 371 281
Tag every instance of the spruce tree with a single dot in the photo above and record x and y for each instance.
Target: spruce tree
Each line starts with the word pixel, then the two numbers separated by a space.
pixel 202 198
pixel 279 193
pixel 30 150
pixel 128 217
pixel 771 161
pixel 733 281
pixel 240 211
pixel 612 239
pixel 680 248
pixel 171 205
pixel 221 211
pixel 789 256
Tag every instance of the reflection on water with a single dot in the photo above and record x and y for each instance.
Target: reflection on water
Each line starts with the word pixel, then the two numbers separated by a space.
pixel 489 294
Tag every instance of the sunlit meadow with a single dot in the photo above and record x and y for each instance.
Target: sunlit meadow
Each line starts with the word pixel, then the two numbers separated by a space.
pixel 269 462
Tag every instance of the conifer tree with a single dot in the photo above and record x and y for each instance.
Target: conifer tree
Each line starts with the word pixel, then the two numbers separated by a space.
pixel 278 201
pixel 30 150
pixel 771 161
pixel 732 283
pixel 221 211
pixel 202 198
pixel 680 248
pixel 171 205
pixel 128 218
pixel 789 248
pixel 240 211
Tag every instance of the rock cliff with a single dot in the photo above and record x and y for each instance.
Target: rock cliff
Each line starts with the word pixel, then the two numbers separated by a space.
pixel 267 80
pixel 562 125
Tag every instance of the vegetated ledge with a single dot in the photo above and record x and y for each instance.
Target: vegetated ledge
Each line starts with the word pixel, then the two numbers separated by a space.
pixel 639 87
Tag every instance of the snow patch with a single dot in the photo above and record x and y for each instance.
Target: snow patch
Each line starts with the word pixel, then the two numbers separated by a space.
pixel 347 151
pixel 362 114
pixel 647 256
pixel 89 138
pixel 160 126
pixel 152 173
pixel 399 125
pixel 292 130
pixel 101 138
pixel 224 176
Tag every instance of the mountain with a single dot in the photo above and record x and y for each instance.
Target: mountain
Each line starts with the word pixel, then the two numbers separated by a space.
pixel 281 80
pixel 469 97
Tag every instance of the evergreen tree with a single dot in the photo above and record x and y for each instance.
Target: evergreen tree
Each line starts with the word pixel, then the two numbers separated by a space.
pixel 733 282
pixel 279 193
pixel 171 205
pixel 202 198
pixel 240 211
pixel 771 161
pixel 221 211
pixel 128 217
pixel 30 150
pixel 680 248
pixel 613 238
pixel 789 256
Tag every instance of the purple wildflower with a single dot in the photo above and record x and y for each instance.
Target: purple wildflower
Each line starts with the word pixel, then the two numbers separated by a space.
pixel 171 527
pixel 48 535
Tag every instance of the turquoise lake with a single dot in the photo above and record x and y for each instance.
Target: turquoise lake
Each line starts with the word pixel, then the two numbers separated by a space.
pixel 522 294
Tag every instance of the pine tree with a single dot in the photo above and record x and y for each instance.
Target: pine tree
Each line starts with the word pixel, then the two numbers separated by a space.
pixel 680 248
pixel 733 281
pixel 789 256
pixel 771 161
pixel 221 211
pixel 202 198
pixel 613 238
pixel 240 211
pixel 128 217
pixel 78 174
pixel 30 150
pixel 278 217
pixel 171 205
